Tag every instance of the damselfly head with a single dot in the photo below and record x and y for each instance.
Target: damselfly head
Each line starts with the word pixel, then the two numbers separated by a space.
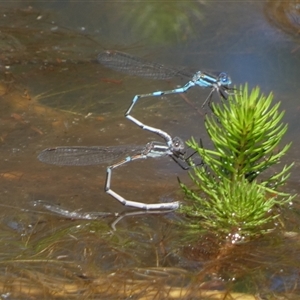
pixel 224 79
pixel 178 145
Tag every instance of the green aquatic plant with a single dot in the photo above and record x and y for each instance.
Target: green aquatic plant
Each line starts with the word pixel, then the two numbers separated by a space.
pixel 229 197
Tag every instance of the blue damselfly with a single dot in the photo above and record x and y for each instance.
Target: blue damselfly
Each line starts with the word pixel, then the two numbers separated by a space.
pixel 132 65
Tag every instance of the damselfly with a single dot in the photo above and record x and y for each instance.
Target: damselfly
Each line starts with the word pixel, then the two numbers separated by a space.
pixel 129 64
pixel 83 156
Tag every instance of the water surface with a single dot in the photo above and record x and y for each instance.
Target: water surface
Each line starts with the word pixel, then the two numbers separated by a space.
pixel 54 94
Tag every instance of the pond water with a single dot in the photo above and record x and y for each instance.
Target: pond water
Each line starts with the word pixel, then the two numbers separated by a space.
pixel 54 93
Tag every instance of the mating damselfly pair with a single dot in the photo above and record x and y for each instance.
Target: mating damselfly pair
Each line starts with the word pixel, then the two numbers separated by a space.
pixel 172 147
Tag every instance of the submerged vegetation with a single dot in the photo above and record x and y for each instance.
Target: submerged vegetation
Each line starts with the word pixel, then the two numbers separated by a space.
pixel 234 193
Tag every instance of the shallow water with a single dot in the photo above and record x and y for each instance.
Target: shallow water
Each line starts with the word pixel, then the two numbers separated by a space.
pixel 54 94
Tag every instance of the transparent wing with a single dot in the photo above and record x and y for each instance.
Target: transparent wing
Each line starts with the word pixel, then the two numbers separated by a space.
pixel 129 64
pixel 85 156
